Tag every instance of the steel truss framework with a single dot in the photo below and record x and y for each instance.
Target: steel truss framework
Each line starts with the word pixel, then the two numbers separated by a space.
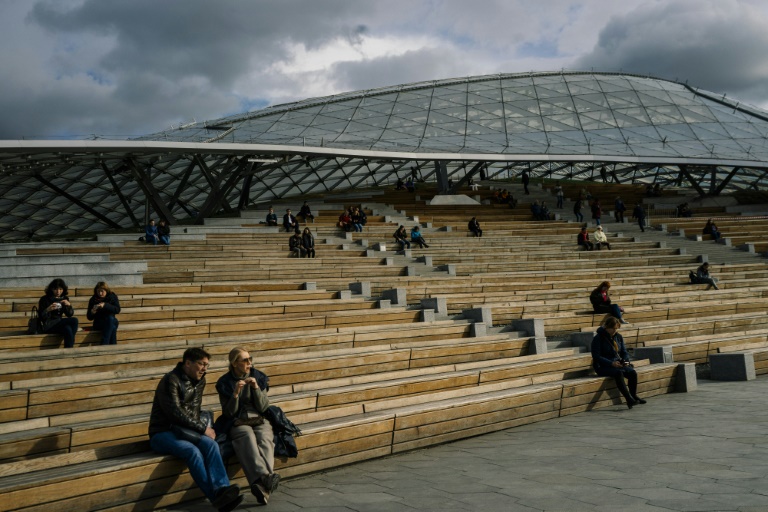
pixel 582 126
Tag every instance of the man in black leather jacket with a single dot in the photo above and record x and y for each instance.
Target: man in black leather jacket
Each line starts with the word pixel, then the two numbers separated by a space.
pixel 175 428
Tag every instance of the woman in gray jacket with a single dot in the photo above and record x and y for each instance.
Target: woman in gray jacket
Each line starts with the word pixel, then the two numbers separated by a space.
pixel 243 396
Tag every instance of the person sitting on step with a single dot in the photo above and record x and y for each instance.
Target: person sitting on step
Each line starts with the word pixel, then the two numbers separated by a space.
pixel 703 277
pixel 611 359
pixel 417 238
pixel 601 302
pixel 582 239
pixel 600 239
pixel 401 237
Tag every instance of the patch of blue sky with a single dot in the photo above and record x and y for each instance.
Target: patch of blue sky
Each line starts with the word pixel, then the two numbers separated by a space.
pixel 251 104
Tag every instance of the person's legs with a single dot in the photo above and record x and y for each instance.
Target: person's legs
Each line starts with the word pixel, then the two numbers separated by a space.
pixel 641 223
pixel 204 460
pixel 108 328
pixel 67 327
pixel 618 377
pixel 631 376
pixel 166 240
pixel 247 451
pixel 616 311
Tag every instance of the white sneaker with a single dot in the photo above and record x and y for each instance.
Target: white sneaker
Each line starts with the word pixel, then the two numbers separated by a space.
pixel 623 321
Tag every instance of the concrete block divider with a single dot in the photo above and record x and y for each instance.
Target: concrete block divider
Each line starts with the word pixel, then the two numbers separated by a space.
pixel 654 354
pixel 437 304
pixel 732 366
pixel 361 288
pixel 685 378
pixel 396 296
pixel 482 315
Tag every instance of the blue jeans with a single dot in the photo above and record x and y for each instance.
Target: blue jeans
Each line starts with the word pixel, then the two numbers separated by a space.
pixel 204 460
pixel 67 327
pixel 108 327
pixel 404 244
pixel 579 217
pixel 152 240
pixel 165 239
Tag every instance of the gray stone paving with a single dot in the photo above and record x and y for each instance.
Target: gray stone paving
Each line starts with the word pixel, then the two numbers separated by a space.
pixel 700 451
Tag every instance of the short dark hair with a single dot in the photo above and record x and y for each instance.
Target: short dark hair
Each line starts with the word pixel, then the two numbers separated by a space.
pixel 56 283
pixel 195 354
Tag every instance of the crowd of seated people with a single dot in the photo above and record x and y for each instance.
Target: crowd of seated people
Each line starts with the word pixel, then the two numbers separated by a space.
pixel 55 314
pixel 353 219
pixel 503 196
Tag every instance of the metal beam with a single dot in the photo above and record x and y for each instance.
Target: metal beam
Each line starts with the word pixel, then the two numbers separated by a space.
pixel 692 180
pixel 725 181
pixel 116 190
pixel 78 202
pixel 218 195
pixel 150 193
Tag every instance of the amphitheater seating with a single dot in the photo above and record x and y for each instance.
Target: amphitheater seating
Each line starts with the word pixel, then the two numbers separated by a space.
pixel 361 380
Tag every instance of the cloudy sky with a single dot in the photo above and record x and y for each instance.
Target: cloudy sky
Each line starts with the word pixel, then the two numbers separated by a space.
pixel 73 68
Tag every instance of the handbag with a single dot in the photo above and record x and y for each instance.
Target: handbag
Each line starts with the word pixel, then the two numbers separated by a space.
pixel 33 325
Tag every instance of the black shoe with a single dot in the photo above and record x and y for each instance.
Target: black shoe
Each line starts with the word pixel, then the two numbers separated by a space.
pixel 639 400
pixel 630 404
pixel 270 482
pixel 225 495
pixel 260 492
pixel 229 507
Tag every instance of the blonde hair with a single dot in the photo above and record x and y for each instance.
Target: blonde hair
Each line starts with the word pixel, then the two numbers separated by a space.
pixel 234 354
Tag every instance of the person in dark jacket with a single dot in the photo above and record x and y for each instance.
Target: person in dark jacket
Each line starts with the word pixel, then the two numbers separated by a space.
pixel 577 210
pixel 56 312
pixel 601 302
pixel 582 239
pixel 618 209
pixel 308 243
pixel 306 212
pixel 289 221
pixel 102 308
pixel 639 214
pixel 243 397
pixel 164 232
pixel 401 237
pixel 710 228
pixel 597 211
pixel 703 277
pixel 177 402
pixel 271 217
pixel 611 359
pixel 295 244
pixel 526 179
pixel 474 226
pixel 150 233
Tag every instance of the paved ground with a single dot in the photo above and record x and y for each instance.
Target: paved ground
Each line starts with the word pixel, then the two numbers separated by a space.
pixel 700 451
